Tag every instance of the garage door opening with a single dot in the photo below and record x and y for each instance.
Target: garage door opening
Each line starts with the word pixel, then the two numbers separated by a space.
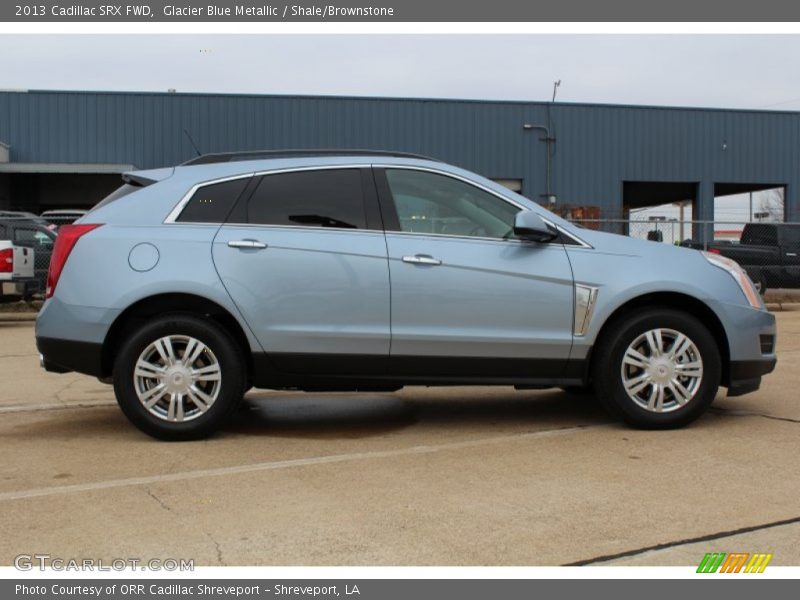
pixel 36 187
pixel 660 211
pixel 738 203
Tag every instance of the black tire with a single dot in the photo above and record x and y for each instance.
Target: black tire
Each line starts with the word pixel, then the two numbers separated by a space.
pixel 233 376
pixel 607 368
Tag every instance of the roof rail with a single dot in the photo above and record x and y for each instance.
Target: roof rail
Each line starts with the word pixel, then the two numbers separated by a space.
pixel 221 157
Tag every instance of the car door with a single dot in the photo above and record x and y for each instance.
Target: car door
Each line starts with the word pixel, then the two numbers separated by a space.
pixel 468 299
pixel 304 258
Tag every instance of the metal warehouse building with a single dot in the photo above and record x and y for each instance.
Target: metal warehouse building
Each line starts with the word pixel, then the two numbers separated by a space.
pixel 66 149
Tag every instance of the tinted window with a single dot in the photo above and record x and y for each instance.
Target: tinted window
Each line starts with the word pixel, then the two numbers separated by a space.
pixel 212 203
pixel 431 203
pixel 791 235
pixel 325 198
pixel 760 235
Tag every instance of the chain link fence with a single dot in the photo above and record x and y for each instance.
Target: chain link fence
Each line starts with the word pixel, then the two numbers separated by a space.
pixel 36 235
pixel 768 251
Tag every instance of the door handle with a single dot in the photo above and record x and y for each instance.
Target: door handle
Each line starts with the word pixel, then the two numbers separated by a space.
pixel 791 254
pixel 422 259
pixel 251 244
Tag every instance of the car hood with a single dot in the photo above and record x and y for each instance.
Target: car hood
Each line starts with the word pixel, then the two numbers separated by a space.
pixel 613 243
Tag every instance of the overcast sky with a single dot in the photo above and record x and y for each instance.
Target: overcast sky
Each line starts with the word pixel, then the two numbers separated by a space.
pixel 706 70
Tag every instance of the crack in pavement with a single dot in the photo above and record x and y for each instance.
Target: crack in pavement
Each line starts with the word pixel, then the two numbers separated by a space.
pixel 218 549
pixel 685 542
pixel 157 499
pixel 15 408
pixel 64 388
pixel 732 412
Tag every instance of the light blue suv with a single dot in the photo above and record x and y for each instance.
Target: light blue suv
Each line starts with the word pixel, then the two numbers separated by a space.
pixel 370 271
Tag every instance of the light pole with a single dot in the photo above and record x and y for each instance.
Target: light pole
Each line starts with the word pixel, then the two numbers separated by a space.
pixel 547 139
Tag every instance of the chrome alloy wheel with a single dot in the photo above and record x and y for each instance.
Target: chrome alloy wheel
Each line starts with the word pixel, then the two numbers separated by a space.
pixel 662 370
pixel 177 378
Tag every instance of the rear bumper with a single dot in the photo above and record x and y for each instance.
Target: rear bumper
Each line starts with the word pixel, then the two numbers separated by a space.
pixel 70 337
pixel 63 356
pixel 16 286
pixel 745 375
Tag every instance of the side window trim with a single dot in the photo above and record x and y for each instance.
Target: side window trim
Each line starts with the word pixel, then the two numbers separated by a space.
pixel 378 206
pixel 174 215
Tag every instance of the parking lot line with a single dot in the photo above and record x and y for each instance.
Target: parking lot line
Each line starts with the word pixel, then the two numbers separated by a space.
pixel 287 464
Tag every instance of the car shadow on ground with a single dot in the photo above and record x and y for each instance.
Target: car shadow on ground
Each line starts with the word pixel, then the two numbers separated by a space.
pixel 331 416
pixel 353 415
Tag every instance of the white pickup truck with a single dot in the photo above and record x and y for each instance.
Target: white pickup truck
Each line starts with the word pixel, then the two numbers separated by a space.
pixel 16 268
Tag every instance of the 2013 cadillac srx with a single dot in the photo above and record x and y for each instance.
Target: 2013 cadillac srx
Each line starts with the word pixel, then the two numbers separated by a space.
pixel 370 271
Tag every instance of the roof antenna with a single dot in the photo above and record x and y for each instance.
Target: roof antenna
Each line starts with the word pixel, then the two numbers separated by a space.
pixel 191 141
pixel 556 85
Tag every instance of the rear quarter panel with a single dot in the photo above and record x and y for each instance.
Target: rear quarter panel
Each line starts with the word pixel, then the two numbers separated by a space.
pixel 99 273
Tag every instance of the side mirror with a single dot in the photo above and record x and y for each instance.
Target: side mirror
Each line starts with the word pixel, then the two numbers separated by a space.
pixel 529 226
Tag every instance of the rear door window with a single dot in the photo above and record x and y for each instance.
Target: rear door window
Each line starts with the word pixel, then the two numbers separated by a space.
pixel 321 198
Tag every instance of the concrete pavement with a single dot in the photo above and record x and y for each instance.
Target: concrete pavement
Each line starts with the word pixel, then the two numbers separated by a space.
pixel 456 476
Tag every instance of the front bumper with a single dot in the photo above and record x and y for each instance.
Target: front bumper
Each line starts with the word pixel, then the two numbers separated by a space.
pixel 745 375
pixel 752 338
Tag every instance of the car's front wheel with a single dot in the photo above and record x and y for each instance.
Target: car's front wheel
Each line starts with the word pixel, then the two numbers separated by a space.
pixel 179 377
pixel 657 369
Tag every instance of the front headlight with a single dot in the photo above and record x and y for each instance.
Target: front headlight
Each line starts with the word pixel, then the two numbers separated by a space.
pixel 739 274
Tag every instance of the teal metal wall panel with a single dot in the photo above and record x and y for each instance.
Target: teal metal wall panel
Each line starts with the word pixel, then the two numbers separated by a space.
pixel 597 147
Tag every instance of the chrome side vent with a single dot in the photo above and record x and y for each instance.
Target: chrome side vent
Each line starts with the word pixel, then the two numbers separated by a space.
pixel 585 298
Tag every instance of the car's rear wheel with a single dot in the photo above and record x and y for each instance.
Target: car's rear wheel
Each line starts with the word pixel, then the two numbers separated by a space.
pixel 179 377
pixel 657 369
